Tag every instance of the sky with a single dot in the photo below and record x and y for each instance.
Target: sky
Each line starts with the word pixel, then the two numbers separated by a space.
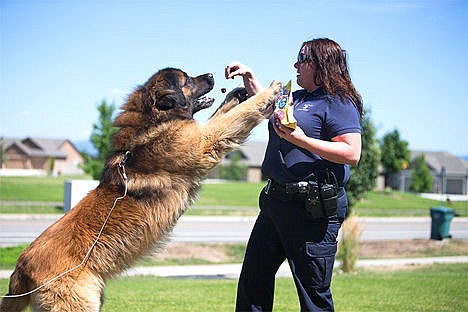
pixel 60 59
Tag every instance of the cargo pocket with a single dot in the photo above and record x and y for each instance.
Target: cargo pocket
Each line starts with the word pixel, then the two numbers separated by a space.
pixel 321 259
pixel 342 206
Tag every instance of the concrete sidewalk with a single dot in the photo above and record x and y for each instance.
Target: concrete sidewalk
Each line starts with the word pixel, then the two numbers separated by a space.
pixel 233 270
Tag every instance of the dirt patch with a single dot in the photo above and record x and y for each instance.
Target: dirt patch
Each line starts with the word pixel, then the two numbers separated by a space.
pixel 412 248
pixel 215 253
pixel 220 253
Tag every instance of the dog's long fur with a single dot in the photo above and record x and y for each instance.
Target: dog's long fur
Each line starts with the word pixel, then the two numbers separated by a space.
pixel 169 155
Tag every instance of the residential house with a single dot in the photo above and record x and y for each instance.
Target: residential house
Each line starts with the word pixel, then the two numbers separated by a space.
pixel 450 173
pixel 53 156
pixel 252 153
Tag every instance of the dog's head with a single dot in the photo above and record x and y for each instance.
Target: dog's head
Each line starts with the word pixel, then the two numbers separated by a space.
pixel 168 95
pixel 173 90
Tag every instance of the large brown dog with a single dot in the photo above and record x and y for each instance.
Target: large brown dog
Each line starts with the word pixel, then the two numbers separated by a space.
pixel 169 154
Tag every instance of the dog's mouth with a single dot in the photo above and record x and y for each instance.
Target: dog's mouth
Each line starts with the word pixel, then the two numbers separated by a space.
pixel 204 84
pixel 201 103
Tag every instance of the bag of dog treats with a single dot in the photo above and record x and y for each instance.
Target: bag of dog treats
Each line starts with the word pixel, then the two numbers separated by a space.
pixel 283 107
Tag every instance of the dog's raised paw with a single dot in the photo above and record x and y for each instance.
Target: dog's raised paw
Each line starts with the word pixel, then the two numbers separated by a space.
pixel 276 86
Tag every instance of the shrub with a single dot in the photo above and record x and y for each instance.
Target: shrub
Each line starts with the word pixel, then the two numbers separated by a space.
pixel 351 232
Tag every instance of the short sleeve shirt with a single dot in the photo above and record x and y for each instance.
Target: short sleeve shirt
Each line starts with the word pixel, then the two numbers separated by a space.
pixel 320 116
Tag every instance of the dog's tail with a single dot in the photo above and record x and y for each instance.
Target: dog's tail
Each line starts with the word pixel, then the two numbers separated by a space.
pixel 18 286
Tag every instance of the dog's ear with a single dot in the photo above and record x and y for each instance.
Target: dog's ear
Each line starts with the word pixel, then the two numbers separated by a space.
pixel 162 100
pixel 168 99
pixel 146 101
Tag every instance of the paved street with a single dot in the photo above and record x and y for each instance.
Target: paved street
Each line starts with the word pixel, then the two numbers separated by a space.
pixel 16 229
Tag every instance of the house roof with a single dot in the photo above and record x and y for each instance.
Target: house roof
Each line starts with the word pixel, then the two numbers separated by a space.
pixel 37 147
pixel 438 160
pixel 253 153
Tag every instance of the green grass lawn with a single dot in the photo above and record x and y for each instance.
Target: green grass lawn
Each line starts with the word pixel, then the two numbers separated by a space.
pixel 45 189
pixel 235 198
pixel 391 203
pixel 415 290
pixel 434 288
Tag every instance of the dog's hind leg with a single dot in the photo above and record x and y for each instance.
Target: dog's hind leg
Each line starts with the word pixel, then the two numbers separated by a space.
pixel 14 304
pixel 18 285
pixel 70 293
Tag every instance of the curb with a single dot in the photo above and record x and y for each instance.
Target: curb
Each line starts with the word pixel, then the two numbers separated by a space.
pixel 232 271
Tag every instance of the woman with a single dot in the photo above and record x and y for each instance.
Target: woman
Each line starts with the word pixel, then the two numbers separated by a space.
pixel 304 203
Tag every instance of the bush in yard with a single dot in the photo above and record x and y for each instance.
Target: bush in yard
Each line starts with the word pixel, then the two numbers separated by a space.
pixel 234 170
pixel 422 180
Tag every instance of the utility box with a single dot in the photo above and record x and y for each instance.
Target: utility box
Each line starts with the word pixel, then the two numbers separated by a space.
pixel 440 226
pixel 75 190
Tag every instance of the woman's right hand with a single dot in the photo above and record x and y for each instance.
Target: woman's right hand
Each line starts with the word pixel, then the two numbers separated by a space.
pixel 236 69
pixel 251 83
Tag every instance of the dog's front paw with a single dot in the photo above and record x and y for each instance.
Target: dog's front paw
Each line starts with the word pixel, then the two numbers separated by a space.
pixel 233 98
pixel 276 86
pixel 240 93
pixel 271 93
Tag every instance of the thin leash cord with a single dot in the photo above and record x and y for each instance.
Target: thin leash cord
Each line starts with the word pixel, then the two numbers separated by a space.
pixel 89 251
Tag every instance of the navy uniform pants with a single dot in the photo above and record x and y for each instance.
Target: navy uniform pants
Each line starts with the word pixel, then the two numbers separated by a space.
pixel 284 230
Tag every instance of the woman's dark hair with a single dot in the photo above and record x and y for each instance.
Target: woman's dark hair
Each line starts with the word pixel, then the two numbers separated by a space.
pixel 332 69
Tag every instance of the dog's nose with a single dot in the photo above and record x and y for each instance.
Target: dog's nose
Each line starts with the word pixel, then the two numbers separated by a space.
pixel 210 78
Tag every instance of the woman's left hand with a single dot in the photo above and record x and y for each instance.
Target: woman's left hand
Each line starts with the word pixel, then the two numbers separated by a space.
pixel 292 135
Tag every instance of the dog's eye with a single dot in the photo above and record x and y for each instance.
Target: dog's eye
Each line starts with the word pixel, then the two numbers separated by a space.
pixel 189 81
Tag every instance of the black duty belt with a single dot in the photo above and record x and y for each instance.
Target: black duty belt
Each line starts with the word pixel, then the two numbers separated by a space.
pixel 295 191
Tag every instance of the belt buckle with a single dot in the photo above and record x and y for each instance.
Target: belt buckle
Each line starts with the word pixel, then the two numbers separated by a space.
pixel 302 187
pixel 267 187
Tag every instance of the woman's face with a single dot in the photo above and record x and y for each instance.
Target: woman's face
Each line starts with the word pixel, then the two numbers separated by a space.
pixel 305 71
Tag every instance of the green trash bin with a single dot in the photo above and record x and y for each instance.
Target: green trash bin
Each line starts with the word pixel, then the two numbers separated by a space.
pixel 441 218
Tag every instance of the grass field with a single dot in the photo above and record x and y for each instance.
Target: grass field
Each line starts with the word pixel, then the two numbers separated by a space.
pixel 45 189
pixel 432 288
pixel 234 198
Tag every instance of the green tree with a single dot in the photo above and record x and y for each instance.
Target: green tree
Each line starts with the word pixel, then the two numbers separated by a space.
pixel 234 170
pixel 364 176
pixel 422 180
pixel 101 140
pixel 395 155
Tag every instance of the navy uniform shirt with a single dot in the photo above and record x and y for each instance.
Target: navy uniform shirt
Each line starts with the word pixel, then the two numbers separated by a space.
pixel 320 116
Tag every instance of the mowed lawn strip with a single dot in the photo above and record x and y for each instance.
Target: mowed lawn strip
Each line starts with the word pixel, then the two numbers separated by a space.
pixel 440 287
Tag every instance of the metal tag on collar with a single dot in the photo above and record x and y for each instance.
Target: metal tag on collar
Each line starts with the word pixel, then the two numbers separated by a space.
pixel 122 164
pixel 267 187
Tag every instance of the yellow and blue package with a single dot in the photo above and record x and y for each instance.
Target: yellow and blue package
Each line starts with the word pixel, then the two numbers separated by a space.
pixel 283 107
